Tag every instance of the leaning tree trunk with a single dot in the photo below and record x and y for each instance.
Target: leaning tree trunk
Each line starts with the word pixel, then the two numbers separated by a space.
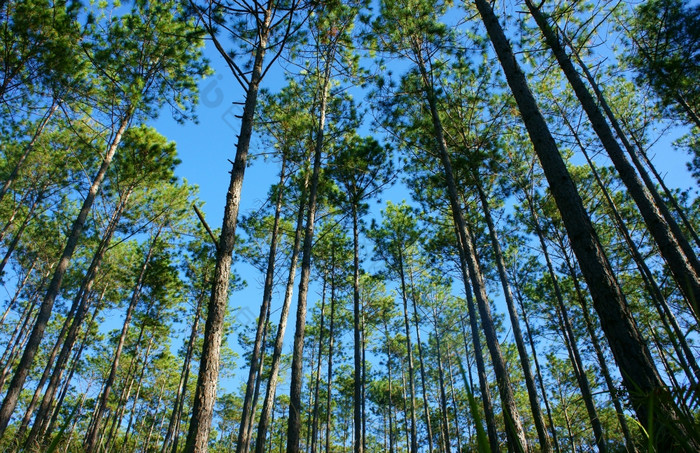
pixel 570 338
pixel 514 428
pixel 545 445
pixel 672 243
pixel 479 357
pixel 25 364
pixel 540 381
pixel 639 372
pixel 678 340
pixel 79 310
pixel 629 442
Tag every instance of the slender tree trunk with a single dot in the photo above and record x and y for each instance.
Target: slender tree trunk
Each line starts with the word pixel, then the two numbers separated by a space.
pixel 631 353
pixel 421 364
pixel 570 338
pixel 391 402
pixel 174 424
pixel 409 354
pixel 665 314
pixel 545 445
pixel 244 432
pixel 317 383
pixel 631 151
pixel 672 244
pixel 81 305
pixel 294 422
pixel 136 395
pixel 540 381
pixel 147 444
pixel 479 357
pixel 329 379
pixel 91 444
pixel 629 442
pixel 271 389
pixel 359 377
pixel 208 377
pixel 441 379
pixel 74 367
pixel 17 340
pixel 25 364
pixel 514 429
pixel 455 408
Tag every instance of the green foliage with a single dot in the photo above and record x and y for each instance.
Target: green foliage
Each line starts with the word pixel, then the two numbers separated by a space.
pixel 666 53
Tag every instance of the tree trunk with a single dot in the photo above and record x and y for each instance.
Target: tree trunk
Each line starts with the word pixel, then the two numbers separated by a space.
pixel 672 244
pixel 208 377
pixel 91 444
pixel 540 381
pixel 638 370
pixel 514 429
pixel 329 379
pixel 359 377
pixel 629 442
pixel 81 305
pixel 665 314
pixel 570 338
pixel 545 445
pixel 136 395
pixel 409 353
pixel 421 364
pixel 441 379
pixel 479 357
pixel 25 364
pixel 174 424
pixel 271 389
pixel 244 433
pixel 294 422
pixel 317 383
